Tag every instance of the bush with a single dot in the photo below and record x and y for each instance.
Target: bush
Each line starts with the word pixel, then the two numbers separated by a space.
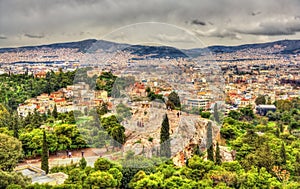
pixel 205 114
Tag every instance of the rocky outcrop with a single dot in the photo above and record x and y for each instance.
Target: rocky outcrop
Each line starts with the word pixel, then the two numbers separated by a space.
pixel 191 132
pixel 187 131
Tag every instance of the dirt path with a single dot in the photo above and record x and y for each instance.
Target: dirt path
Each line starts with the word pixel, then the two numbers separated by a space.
pixel 90 154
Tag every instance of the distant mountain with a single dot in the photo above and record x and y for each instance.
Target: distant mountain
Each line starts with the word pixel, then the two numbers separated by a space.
pixel 80 45
pixel 156 51
pixel 92 45
pixel 290 47
pixel 140 50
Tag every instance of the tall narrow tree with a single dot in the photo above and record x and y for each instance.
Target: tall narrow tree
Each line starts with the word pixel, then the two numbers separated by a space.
pixel 45 157
pixel 16 131
pixel 218 155
pixel 14 123
pixel 277 133
pixel 209 143
pixel 165 145
pixel 281 127
pixel 54 112
pixel 283 154
pixel 297 165
pixel 197 151
pixel 216 113
pixel 48 112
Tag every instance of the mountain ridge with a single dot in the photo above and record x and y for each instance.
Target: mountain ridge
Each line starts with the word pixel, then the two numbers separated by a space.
pixel 90 45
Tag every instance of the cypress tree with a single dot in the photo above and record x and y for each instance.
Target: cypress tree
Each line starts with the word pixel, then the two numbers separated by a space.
pixel 283 154
pixel 216 113
pixel 48 112
pixel 210 153
pixel 16 131
pixel 157 152
pixel 45 163
pixel 143 150
pixel 197 151
pixel 281 127
pixel 209 143
pixel 54 112
pixel 218 155
pixel 297 165
pixel 277 132
pixel 165 145
pixel 298 158
pixel 15 124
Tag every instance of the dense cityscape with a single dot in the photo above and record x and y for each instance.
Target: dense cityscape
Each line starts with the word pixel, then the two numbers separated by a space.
pixel 195 94
pixel 229 93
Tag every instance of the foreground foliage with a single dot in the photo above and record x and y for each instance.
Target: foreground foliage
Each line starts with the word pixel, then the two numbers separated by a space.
pixel 267 147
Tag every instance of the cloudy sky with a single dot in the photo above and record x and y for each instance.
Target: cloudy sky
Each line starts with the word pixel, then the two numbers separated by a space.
pixel 211 22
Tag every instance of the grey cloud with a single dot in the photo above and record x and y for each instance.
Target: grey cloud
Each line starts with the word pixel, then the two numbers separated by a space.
pixel 3 37
pixel 270 31
pixel 97 18
pixel 34 36
pixel 255 13
pixel 173 38
pixel 218 33
pixel 275 27
pixel 198 22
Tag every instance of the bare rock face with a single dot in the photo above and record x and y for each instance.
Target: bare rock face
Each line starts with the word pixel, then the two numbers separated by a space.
pixel 186 132
pixel 193 132
pixel 143 129
pixel 226 153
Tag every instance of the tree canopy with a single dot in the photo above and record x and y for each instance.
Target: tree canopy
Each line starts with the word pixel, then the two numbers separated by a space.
pixel 10 152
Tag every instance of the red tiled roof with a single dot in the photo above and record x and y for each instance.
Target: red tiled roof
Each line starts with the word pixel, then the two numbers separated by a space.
pixel 60 100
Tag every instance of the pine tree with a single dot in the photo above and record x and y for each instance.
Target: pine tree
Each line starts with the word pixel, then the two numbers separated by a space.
pixel 283 154
pixel 82 163
pixel 264 157
pixel 209 143
pixel 45 163
pixel 174 98
pixel 54 112
pixel 218 155
pixel 165 145
pixel 261 99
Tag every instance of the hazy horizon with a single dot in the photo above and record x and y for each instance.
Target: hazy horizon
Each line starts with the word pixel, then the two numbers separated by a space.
pixel 152 44
pixel 230 23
